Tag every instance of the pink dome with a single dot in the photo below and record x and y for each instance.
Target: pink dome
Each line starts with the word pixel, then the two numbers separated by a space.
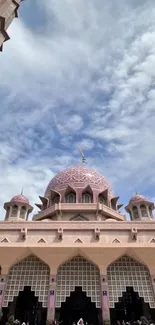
pixel 20 199
pixel 138 198
pixel 79 177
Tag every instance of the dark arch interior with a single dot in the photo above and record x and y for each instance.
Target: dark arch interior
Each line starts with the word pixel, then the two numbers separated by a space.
pixel 26 308
pixel 76 306
pixel 131 307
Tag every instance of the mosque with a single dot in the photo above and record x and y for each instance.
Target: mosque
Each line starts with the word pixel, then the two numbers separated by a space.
pixel 79 256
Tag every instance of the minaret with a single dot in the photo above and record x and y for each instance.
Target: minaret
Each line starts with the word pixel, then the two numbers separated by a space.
pixel 8 11
pixel 140 208
pixel 18 208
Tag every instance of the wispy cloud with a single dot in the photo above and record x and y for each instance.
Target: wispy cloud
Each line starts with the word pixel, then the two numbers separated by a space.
pixel 79 75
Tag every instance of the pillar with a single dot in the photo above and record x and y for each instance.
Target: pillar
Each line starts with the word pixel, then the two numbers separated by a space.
pixel 105 300
pixel 3 279
pixel 51 300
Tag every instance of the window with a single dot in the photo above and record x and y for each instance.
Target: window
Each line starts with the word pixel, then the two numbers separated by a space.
pixel 87 198
pixel 135 212
pixel 71 198
pixel 14 210
pixel 7 212
pixel 101 199
pixel 144 211
pixel 150 211
pixel 56 199
pixel 22 212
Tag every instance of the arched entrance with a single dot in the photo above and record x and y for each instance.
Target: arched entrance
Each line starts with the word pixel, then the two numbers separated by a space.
pixel 78 288
pixel 76 306
pixel 130 289
pixel 27 288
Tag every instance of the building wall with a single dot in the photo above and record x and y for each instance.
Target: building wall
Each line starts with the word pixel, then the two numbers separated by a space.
pixel 8 11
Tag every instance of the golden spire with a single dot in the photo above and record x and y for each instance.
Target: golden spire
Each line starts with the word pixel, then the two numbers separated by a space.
pixel 83 156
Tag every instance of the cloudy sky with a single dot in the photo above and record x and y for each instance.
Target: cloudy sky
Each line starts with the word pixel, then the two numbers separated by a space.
pixel 78 73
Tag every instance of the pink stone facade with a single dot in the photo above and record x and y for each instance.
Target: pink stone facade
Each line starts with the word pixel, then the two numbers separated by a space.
pixel 67 235
pixel 8 11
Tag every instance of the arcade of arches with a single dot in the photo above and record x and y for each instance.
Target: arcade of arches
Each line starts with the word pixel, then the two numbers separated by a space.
pixel 79 290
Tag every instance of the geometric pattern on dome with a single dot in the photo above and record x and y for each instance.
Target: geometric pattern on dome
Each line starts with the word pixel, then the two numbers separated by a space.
pixel 79 176
pixel 138 198
pixel 20 198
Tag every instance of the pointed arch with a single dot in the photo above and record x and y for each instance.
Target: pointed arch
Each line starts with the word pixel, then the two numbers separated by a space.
pixel 55 197
pixel 30 278
pixel 70 195
pixel 122 273
pixel 87 195
pixel 103 197
pixel 14 210
pixel 67 282
pixel 152 241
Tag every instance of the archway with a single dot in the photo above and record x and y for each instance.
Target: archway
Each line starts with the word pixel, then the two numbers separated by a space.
pixel 28 282
pixel 130 287
pixel 76 306
pixel 80 279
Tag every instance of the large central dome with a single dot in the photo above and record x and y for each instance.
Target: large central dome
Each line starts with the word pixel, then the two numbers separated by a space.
pixel 79 177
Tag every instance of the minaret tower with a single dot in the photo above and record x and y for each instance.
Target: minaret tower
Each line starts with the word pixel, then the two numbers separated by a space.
pixel 8 11
pixel 17 209
pixel 140 208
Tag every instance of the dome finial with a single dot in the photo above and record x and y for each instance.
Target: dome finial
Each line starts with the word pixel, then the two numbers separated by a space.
pixel 83 156
pixel 22 191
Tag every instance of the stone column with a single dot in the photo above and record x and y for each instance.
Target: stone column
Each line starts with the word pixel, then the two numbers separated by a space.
pixel 51 299
pixel 105 300
pixel 3 279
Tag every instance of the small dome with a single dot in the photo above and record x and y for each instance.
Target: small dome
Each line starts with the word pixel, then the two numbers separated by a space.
pixel 79 177
pixel 110 220
pixel 138 198
pixel 20 199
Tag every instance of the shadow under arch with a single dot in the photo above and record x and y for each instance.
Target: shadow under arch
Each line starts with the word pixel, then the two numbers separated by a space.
pixel 75 273
pixel 127 274
pixel 27 279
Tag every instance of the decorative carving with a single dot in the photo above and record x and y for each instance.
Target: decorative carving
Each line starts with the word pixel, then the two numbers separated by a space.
pixel 41 240
pixel 78 241
pixel 97 234
pixel 5 240
pixel 60 233
pixel 134 233
pixel 79 176
pixel 78 217
pixel 24 233
pixel 152 240
pixel 116 241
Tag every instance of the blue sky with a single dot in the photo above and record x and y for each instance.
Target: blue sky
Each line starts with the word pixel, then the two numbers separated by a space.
pixel 78 73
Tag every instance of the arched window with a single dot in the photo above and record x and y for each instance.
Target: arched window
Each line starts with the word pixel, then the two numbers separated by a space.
pixel 14 210
pixel 101 199
pixel 56 199
pixel 135 212
pixel 144 211
pixel 87 198
pixel 7 212
pixel 22 212
pixel 71 198
pixel 150 211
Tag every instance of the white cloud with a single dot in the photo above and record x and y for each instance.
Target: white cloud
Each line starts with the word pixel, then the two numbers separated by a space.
pixel 85 79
